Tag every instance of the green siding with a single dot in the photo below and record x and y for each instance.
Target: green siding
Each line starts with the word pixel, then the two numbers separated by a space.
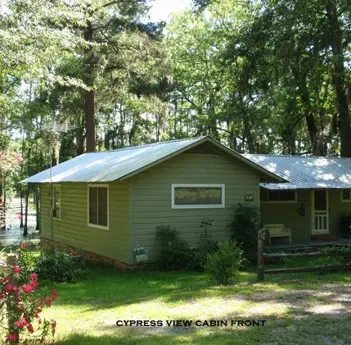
pixel 337 209
pixel 151 197
pixel 286 213
pixel 72 229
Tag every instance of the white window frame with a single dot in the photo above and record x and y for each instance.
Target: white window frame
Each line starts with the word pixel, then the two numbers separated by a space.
pixel 345 200
pixel 108 206
pixel 53 201
pixel 281 201
pixel 205 185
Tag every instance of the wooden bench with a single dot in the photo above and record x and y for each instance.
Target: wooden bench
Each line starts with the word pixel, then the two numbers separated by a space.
pixel 278 230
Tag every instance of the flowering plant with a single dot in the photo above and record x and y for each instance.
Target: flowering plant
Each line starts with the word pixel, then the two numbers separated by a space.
pixel 20 309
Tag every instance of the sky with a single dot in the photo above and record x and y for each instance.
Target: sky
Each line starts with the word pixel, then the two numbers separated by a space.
pixel 161 9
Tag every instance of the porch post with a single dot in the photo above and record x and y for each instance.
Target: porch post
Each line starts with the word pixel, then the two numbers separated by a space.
pixel 260 257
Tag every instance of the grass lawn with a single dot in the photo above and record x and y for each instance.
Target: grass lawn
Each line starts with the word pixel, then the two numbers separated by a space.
pixel 299 308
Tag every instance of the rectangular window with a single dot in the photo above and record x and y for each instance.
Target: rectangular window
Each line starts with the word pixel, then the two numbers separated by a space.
pixel 98 206
pixel 198 196
pixel 278 195
pixel 346 195
pixel 56 201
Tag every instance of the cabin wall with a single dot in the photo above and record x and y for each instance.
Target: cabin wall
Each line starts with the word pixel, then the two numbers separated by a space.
pixel 151 196
pixel 73 229
pixel 294 215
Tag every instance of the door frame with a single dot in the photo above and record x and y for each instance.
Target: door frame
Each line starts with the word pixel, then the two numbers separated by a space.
pixel 313 231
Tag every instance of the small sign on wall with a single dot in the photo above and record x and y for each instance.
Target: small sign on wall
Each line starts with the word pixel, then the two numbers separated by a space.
pixel 249 197
pixel 140 254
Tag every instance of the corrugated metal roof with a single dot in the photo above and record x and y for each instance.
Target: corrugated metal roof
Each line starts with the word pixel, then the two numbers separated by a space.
pixel 306 172
pixel 122 163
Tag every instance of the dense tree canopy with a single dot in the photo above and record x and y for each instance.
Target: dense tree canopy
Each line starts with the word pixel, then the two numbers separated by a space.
pixel 269 76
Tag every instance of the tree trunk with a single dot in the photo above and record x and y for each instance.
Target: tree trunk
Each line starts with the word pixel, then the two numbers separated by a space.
pixel 336 42
pixel 89 96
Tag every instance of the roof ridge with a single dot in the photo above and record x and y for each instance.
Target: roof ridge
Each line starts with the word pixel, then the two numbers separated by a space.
pixel 151 144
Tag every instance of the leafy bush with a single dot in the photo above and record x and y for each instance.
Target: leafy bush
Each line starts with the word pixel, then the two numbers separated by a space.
pixel 245 226
pixel 175 252
pixel 59 267
pixel 344 252
pixel 206 246
pixel 224 264
pixel 21 307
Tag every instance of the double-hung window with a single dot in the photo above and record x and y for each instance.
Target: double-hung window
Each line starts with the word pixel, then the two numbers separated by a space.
pixel 198 196
pixel 98 204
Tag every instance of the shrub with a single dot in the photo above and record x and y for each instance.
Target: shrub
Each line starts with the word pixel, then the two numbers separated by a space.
pixel 245 226
pixel 20 309
pixel 59 267
pixel 344 252
pixel 224 264
pixel 206 246
pixel 175 253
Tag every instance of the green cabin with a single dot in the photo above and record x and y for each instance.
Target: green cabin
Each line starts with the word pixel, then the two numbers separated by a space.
pixel 107 205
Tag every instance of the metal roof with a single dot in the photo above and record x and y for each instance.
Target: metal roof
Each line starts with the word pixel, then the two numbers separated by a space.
pixel 306 172
pixel 120 164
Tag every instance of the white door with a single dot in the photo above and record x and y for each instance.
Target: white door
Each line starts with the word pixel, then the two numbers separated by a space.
pixel 320 214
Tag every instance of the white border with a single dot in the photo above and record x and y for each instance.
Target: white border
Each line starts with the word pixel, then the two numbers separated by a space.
pixel 222 205
pixel 282 201
pixel 345 200
pixel 313 230
pixel 52 201
pixel 108 207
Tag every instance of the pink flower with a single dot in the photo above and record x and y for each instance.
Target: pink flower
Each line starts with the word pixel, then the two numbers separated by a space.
pixel 9 288
pixel 12 337
pixel 27 288
pixel 23 245
pixel 30 328
pixel 33 284
pixel 16 269
pixel 34 276
pixel 21 323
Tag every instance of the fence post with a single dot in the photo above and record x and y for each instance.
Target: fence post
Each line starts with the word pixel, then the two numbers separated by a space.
pixel 260 257
pixel 11 260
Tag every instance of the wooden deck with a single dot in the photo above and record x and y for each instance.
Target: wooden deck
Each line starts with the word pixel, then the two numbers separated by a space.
pixel 343 242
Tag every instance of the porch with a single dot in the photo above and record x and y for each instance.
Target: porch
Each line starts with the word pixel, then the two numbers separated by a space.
pixel 312 244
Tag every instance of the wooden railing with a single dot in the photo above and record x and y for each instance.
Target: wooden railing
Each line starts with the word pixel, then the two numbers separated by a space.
pixel 262 255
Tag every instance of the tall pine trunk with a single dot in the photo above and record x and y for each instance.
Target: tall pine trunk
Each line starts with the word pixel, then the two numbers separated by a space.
pixel 89 96
pixel 336 43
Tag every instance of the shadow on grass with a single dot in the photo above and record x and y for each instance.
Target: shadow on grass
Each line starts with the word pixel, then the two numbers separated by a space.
pixel 108 288
pixel 322 329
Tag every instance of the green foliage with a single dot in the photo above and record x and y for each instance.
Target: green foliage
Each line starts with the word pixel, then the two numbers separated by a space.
pixel 223 265
pixel 344 252
pixel 175 253
pixel 59 267
pixel 206 246
pixel 245 226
